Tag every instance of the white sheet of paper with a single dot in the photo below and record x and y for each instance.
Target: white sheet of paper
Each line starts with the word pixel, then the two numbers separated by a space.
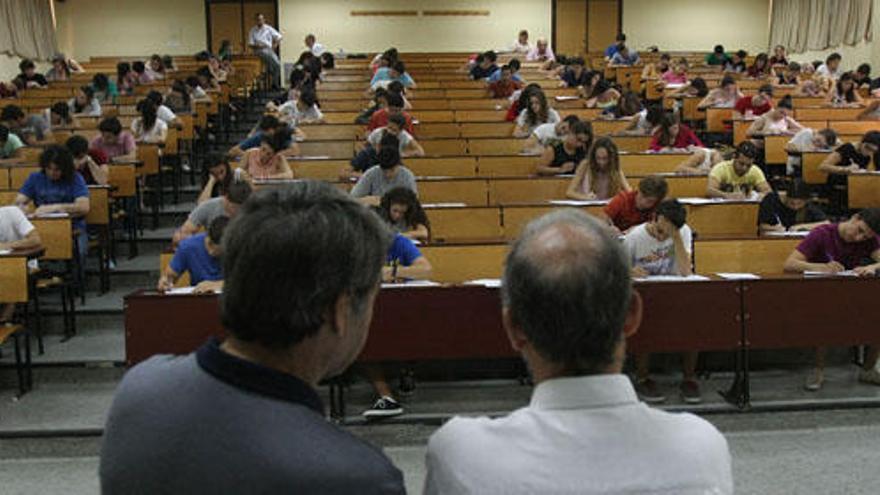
pixel 178 291
pixel 566 98
pixel 411 283
pixel 738 276
pixel 575 202
pixel 787 234
pixel 5 251
pixel 443 205
pixel 845 273
pixel 52 215
pixel 492 283
pixel 699 201
pixel 673 278
pixel 317 157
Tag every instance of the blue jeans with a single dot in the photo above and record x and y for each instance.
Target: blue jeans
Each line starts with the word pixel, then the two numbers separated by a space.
pixel 273 65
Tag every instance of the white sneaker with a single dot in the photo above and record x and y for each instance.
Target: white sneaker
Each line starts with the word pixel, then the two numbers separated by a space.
pixel 383 408
pixel 871 376
pixel 815 381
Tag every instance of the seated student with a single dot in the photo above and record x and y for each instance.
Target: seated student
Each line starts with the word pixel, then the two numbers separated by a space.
pixel 833 248
pixel 162 111
pixel 789 210
pixel 541 52
pixel 385 176
pixel 807 140
pixel 60 71
pixel 738 178
pixel 401 209
pixel 219 176
pixel 205 213
pixel 790 75
pixel 625 57
pixel 396 72
pixel 584 429
pixel 196 90
pixel 646 122
pixel 16 232
pixel 754 106
pixel 633 207
pixel 178 99
pixel 8 90
pixel 673 136
pixel 657 70
pixel 485 66
pixel 91 164
pixel 601 95
pixel 368 157
pixel 678 75
pixel 58 116
pixel 536 113
pixel 395 107
pixel 199 256
pixel 812 86
pixel 29 78
pixel 113 141
pixel 628 106
pixel 779 58
pixel 303 110
pixel 521 43
pixel 267 161
pixel 148 128
pixel 599 175
pixel 140 73
pixel 84 103
pixel 695 87
pixel 700 162
pixel 851 158
pixel 662 246
pixel 724 96
pixel 564 157
pixel 514 65
pixel 575 74
pixel 760 68
pixel 862 76
pixel 776 122
pixel 268 125
pixel 844 93
pixel 619 41
pixel 551 134
pixel 10 144
pixel 155 67
pixel 126 80
pixel 520 100
pixel 408 144
pixel 216 68
pixel 718 57
pixel 505 86
pixel 737 62
pixel 57 188
pixel 404 262
pixel 831 68
pixel 29 129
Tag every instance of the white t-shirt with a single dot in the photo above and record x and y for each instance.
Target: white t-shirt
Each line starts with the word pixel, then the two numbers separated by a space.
pixel 165 114
pixel 291 114
pixel 14 225
pixel 375 138
pixel 155 135
pixel 545 133
pixel 552 118
pixel 824 71
pixel 517 47
pixel 802 141
pixel 263 36
pixel 655 257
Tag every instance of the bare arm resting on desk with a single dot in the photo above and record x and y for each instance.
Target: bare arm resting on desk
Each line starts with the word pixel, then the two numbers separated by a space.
pixel 869 270
pixel 797 263
pixel 31 240
pixel 419 270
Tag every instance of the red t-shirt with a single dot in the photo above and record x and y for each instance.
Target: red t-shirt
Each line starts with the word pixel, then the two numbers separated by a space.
pixel 503 89
pixel 685 138
pixel 380 119
pixel 744 104
pixel 622 211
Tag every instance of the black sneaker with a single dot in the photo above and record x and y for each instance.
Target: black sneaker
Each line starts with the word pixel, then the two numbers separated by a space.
pixel 690 392
pixel 383 408
pixel 648 391
pixel 407 383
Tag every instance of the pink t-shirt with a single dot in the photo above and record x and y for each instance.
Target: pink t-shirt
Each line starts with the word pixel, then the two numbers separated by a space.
pixel 124 145
pixel 670 77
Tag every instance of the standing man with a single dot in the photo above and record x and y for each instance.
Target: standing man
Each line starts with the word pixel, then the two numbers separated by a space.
pixel 568 306
pixel 244 415
pixel 264 40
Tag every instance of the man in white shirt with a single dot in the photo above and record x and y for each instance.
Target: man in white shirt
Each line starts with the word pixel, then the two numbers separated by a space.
pixel 264 39
pixel 316 48
pixel 521 44
pixel 584 431
pixel 831 68
pixel 548 134
pixel 808 140
pixel 16 232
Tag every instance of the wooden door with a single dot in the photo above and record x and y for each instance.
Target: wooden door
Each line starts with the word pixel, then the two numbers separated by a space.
pixel 603 21
pixel 226 25
pixel 570 27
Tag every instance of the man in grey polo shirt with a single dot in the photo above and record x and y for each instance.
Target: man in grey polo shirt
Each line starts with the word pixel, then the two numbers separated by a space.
pixel 222 206
pixel 385 176
pixel 302 265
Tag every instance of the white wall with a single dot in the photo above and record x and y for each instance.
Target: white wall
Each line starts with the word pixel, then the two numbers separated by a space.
pixel 697 25
pixel 89 28
pixel 331 22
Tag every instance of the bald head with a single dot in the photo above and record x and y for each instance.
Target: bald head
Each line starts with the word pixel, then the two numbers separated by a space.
pixel 567 287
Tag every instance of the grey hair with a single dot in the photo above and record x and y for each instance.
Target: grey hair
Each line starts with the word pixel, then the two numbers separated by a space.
pixel 567 286
pixel 290 254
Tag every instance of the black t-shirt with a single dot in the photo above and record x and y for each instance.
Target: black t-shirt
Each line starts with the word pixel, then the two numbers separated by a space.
pixel 38 78
pixel 573 80
pixel 849 155
pixel 478 72
pixel 560 156
pixel 773 212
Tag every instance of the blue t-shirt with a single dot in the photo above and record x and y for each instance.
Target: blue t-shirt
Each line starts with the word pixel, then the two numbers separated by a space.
pixel 611 50
pixel 192 256
pixel 44 191
pixel 403 251
pixel 496 76
pixel 384 74
pixel 252 141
